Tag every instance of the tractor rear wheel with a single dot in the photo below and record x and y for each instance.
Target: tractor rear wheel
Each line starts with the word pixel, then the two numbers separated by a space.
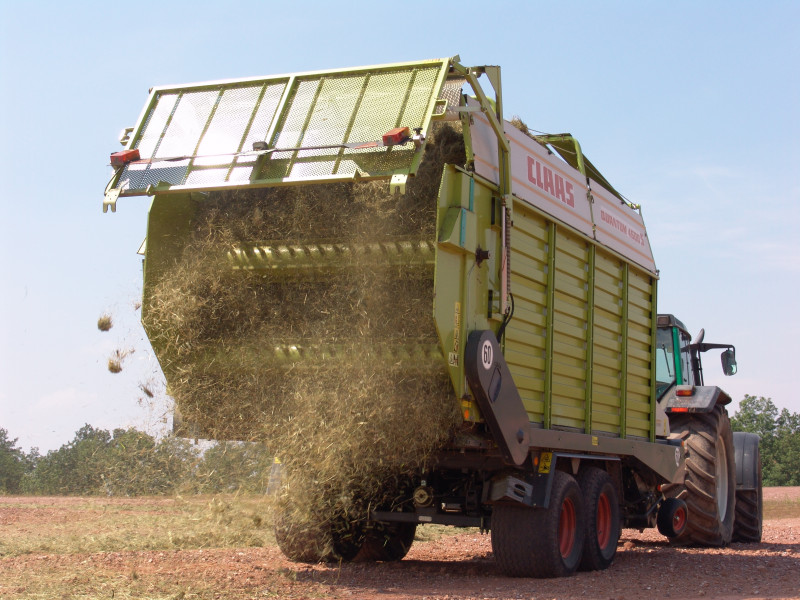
pixel 601 506
pixel 747 525
pixel 709 487
pixel 541 542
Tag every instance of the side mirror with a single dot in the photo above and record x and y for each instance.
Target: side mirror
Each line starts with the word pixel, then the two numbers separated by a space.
pixel 729 362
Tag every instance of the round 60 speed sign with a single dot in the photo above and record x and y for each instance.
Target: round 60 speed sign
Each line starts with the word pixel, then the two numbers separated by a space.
pixel 487 354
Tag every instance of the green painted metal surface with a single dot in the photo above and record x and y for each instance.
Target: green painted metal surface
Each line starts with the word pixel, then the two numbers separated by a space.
pixel 580 341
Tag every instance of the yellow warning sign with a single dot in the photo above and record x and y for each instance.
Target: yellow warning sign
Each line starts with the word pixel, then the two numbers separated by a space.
pixel 545 458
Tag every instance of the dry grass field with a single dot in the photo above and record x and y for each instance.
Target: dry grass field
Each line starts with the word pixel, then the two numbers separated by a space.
pixel 222 547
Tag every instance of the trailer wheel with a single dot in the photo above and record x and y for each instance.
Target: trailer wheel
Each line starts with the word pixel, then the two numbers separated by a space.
pixel 601 505
pixel 747 525
pixel 310 542
pixel 387 542
pixel 541 542
pixel 709 487
pixel 300 543
pixel 347 538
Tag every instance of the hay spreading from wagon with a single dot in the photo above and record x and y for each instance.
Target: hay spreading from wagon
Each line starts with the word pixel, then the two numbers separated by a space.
pixel 302 317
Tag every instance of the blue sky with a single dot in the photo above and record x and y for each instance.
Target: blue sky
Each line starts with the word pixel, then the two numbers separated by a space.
pixel 689 108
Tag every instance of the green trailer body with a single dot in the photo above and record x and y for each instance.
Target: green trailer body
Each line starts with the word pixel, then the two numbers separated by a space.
pixel 525 239
pixel 580 340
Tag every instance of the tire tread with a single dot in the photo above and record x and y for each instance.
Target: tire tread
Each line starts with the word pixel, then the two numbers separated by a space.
pixel 705 430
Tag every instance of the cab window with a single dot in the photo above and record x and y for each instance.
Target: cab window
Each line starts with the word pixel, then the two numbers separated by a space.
pixel 666 374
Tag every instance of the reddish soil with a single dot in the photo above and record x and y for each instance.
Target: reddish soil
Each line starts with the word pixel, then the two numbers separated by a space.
pixel 452 567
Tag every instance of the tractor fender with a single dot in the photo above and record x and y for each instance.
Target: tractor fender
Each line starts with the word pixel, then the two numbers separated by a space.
pixel 703 399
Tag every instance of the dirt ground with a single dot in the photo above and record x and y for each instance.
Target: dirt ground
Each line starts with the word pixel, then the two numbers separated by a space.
pixel 450 567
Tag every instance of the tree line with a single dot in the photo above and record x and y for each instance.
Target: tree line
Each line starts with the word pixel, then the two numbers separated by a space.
pixel 780 438
pixel 128 462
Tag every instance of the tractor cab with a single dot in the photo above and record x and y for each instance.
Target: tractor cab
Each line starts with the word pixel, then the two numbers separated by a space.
pixel 678 360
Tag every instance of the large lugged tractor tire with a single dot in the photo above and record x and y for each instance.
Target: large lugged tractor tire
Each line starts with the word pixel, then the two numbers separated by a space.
pixel 387 542
pixel 541 542
pixel 709 488
pixel 601 506
pixel 747 524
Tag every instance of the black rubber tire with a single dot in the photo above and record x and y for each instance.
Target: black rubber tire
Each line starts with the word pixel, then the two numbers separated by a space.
pixel 541 542
pixel 347 538
pixel 673 515
pixel 601 508
pixel 387 542
pixel 709 487
pixel 301 543
pixel 318 542
pixel 747 525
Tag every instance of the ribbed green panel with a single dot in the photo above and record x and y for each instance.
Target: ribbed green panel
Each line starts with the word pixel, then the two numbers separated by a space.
pixel 607 344
pixel 525 336
pixel 574 307
pixel 569 331
pixel 640 313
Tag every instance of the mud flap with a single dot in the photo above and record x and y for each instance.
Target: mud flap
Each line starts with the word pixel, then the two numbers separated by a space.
pixel 497 396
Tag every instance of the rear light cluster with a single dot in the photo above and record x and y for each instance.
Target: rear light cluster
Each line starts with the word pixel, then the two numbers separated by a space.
pixel 120 159
pixel 398 135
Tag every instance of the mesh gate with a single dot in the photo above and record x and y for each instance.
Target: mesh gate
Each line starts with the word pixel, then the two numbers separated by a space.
pixel 202 136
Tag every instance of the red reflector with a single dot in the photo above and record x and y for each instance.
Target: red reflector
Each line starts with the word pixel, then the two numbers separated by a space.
pixel 396 136
pixel 120 159
pixel 684 390
pixel 679 409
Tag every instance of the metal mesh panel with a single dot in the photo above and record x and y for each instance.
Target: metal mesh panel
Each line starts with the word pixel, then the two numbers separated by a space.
pixel 154 126
pixel 263 117
pixel 202 177
pixel 351 109
pixel 291 131
pixel 168 172
pixel 451 91
pixel 202 134
pixel 186 125
pixel 240 174
pixel 329 120
pixel 227 126
pixel 381 107
pixel 418 97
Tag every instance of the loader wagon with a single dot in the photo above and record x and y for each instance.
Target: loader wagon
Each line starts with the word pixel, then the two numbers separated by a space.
pixel 371 269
